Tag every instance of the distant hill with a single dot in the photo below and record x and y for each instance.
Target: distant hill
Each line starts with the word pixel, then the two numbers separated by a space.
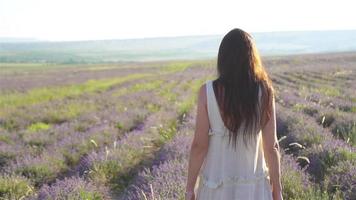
pixel 187 47
pixel 17 40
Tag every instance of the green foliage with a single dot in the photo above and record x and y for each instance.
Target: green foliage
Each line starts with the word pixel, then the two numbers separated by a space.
pixel 166 92
pixel 310 111
pixel 18 118
pixel 346 131
pixel 146 86
pixel 66 112
pixel 185 106
pixel 353 109
pixel 119 125
pixel 39 95
pixel 89 195
pixel 310 139
pixel 38 173
pixel 344 155
pixel 6 139
pixel 152 107
pixel 38 143
pixel 5 157
pixel 116 172
pixel 41 173
pixel 294 187
pixel 10 124
pixel 298 107
pixel 167 132
pixel 72 157
pixel 138 87
pixel 177 66
pixel 326 120
pixel 39 126
pixel 14 187
pixel 329 159
pixel 328 91
pixel 341 179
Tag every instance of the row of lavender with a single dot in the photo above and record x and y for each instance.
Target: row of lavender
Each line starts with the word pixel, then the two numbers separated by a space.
pixel 317 163
pixel 167 177
pixel 135 112
pixel 109 168
pixel 327 97
pixel 67 144
pixel 95 167
pixel 329 161
pixel 316 118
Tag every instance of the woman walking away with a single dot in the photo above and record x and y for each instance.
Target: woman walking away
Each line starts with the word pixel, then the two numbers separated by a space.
pixel 235 151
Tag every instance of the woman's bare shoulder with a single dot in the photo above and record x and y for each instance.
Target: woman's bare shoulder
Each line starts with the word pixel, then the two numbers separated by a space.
pixel 202 94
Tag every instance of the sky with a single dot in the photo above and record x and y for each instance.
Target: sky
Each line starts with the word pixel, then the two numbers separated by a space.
pixel 69 20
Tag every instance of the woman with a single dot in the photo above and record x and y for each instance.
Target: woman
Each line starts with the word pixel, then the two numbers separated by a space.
pixel 235 151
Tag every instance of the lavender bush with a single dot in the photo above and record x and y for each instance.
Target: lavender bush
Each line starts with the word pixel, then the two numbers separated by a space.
pixel 72 188
pixel 125 137
pixel 342 178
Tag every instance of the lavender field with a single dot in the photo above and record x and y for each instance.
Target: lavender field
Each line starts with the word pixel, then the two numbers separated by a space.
pixel 123 131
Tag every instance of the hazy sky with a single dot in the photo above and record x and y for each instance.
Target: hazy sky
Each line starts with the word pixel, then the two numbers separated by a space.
pixel 115 19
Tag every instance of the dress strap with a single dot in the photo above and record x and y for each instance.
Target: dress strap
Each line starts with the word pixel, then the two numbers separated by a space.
pixel 216 122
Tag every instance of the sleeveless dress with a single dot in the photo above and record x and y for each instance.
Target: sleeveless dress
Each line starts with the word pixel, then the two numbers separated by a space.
pixel 229 174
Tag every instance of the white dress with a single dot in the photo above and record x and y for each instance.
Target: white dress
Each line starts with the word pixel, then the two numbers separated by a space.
pixel 228 174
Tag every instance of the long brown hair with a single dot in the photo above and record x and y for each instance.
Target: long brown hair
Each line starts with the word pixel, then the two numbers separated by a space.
pixel 240 77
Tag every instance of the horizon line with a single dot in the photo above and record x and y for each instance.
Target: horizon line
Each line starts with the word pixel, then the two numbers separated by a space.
pixel 39 40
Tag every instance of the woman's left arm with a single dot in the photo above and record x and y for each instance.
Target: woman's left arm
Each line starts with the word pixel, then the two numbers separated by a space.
pixel 200 144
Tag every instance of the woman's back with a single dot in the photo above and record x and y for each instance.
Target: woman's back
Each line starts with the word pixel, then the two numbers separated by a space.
pixel 247 122
pixel 229 173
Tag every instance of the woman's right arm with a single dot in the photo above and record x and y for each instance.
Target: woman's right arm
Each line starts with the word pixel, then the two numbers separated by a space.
pixel 272 154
